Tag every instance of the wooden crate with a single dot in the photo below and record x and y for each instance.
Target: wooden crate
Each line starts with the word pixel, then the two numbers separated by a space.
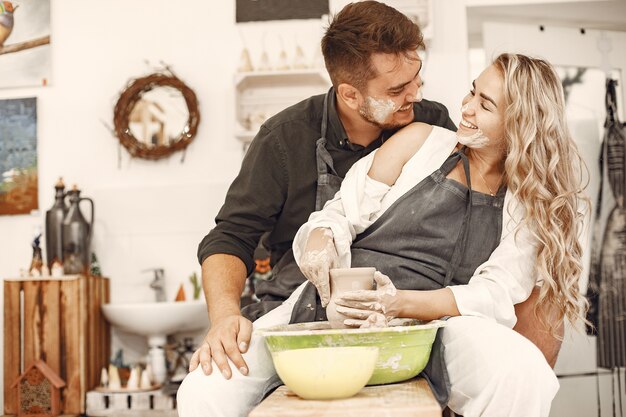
pixel 57 320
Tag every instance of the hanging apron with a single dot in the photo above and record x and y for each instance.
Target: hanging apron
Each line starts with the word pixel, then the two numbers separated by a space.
pixel 607 290
pixel 435 235
pixel 328 183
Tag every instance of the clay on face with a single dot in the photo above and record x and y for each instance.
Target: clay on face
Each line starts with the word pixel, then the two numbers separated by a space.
pixel 490 120
pixel 379 110
pixel 477 140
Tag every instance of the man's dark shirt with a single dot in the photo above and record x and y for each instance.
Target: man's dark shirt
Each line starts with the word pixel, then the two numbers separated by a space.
pixel 275 189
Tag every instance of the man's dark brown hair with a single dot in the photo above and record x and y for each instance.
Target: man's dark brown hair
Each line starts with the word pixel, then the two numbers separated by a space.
pixel 361 29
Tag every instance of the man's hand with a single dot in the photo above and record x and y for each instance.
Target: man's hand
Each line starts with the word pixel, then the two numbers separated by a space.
pixel 319 257
pixel 370 308
pixel 228 338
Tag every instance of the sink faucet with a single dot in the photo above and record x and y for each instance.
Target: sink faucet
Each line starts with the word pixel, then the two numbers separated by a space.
pixel 158 283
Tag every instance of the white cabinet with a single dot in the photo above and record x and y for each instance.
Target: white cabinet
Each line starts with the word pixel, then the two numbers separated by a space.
pixel 261 94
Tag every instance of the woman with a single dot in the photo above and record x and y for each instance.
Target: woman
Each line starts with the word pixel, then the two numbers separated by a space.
pixel 465 225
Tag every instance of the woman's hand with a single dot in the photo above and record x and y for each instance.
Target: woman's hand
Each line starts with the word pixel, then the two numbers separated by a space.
pixel 370 308
pixel 318 258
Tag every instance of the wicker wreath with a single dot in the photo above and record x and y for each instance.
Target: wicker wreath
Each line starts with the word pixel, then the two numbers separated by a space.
pixel 129 98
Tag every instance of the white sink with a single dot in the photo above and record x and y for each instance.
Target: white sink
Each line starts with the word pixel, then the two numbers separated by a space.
pixel 158 319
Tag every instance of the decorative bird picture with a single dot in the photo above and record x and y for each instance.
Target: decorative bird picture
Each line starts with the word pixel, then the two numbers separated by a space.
pixel 6 20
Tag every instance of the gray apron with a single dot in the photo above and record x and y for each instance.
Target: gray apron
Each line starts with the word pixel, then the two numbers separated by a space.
pixel 435 235
pixel 328 183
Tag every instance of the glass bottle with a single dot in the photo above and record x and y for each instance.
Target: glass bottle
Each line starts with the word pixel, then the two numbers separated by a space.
pixel 54 222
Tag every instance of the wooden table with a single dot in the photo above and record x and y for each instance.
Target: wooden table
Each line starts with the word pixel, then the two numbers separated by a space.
pixel 412 398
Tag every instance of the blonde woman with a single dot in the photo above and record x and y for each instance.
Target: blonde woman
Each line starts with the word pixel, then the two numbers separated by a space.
pixel 464 225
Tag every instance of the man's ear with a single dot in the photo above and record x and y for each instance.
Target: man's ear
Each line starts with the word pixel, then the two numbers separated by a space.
pixel 350 95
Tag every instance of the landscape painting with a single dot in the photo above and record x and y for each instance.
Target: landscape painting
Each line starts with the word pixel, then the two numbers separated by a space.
pixel 18 156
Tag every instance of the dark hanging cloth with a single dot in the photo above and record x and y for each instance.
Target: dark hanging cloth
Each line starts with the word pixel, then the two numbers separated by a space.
pixel 607 292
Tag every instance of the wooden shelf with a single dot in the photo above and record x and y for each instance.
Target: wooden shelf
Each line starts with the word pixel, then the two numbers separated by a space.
pixel 306 73
pixel 261 94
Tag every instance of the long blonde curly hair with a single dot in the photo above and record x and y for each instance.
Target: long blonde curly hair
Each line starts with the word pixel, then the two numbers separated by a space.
pixel 544 171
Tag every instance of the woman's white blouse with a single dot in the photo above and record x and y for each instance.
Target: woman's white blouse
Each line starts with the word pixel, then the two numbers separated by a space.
pixel 505 279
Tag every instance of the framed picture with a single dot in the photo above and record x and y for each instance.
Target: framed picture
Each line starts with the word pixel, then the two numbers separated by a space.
pixel 24 43
pixel 18 156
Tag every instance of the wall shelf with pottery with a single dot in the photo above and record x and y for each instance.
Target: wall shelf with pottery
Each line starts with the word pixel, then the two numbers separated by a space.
pixel 261 94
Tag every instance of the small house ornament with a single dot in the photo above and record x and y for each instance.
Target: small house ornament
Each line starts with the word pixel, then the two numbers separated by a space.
pixel 38 391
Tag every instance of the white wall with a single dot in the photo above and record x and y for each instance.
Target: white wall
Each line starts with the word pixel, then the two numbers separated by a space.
pixel 153 214
pixel 97 47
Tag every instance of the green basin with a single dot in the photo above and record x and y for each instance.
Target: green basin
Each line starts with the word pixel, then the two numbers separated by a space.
pixel 404 348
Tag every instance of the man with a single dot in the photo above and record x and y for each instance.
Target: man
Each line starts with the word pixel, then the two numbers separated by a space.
pixel 293 166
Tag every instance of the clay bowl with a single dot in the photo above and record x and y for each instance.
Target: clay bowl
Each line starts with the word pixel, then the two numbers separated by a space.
pixel 404 348
pixel 321 373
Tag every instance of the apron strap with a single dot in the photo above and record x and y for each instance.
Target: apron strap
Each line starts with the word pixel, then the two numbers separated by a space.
pixel 324 160
pixel 459 247
pixel 327 185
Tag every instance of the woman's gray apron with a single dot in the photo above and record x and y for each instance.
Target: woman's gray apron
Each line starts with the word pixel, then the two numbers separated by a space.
pixel 435 235
pixel 328 183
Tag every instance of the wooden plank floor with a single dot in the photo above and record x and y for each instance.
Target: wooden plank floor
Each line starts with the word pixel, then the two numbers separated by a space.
pixel 413 398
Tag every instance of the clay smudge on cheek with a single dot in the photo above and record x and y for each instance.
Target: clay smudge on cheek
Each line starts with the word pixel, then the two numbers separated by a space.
pixel 380 109
pixel 477 140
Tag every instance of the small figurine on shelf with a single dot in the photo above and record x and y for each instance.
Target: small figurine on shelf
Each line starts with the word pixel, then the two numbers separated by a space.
pixel 94 268
pixel 145 382
pixel 56 270
pixel 256 120
pixel 180 295
pixel 264 63
pixel 119 372
pixel 149 375
pixel 134 378
pixel 245 63
pixel 299 60
pixel 104 378
pixel 193 278
pixel 35 269
pixel 115 382
pixel 283 63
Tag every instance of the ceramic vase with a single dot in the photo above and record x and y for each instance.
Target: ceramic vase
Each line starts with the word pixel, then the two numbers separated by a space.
pixel 342 280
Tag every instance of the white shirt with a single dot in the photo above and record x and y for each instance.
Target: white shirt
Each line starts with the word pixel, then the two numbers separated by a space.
pixel 505 279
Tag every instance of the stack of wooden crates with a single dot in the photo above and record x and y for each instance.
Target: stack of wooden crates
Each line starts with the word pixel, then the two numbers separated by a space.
pixel 59 321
